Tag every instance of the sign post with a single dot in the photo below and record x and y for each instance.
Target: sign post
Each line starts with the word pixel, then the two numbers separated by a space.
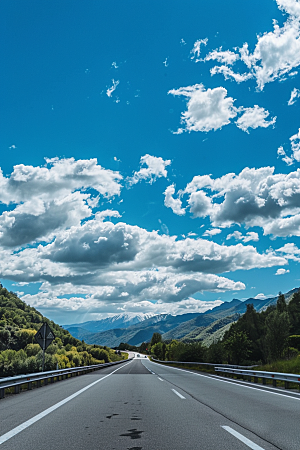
pixel 44 337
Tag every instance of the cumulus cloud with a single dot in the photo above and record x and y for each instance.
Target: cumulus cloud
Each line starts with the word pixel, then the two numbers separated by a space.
pixel 174 203
pixel 99 263
pixel 255 197
pixel 45 199
pixel 156 168
pixel 281 271
pixel 207 110
pixel 294 152
pixel 211 109
pixel 294 95
pixel 76 309
pixel 212 232
pixel 226 57
pixel 86 262
pixel 253 118
pixel 58 178
pixel 238 236
pixel 290 251
pixel 276 53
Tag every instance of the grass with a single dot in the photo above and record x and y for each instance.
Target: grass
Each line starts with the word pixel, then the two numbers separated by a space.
pixel 284 366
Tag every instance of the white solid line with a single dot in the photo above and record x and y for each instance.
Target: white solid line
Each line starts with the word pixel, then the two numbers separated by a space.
pixel 5 437
pixel 177 393
pixel 160 379
pixel 243 438
pixel 215 377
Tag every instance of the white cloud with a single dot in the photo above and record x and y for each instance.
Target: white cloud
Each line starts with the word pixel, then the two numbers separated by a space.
pixel 295 150
pixel 114 86
pixel 276 53
pixel 287 159
pixel 294 95
pixel 290 251
pixel 211 109
pixel 255 197
pixel 253 118
pixel 101 215
pixel 250 236
pixel 228 73
pixel 96 262
pixel 197 49
pixel 58 178
pixel 226 57
pixel 165 63
pixel 156 168
pixel 212 232
pixel 261 296
pixel 207 110
pixel 171 202
pixel 281 271
pixel 292 7
pixel 115 66
pixel 47 199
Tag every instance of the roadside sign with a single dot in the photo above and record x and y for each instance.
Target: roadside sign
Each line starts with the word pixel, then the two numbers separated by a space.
pixel 44 336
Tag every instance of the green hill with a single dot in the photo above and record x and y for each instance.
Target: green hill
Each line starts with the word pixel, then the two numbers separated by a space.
pixel 20 354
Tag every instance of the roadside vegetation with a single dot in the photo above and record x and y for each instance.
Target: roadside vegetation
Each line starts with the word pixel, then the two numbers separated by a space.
pixel 269 339
pixel 20 354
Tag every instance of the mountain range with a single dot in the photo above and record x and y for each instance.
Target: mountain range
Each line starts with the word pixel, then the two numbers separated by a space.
pixel 192 327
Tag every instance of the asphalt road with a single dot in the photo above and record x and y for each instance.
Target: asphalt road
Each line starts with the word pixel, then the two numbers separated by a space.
pixel 142 405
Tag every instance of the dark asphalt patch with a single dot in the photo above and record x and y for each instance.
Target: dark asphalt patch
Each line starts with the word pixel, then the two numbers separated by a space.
pixel 133 434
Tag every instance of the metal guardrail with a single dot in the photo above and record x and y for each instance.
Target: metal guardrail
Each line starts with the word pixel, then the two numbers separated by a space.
pixel 203 364
pixel 242 371
pixel 275 376
pixel 18 381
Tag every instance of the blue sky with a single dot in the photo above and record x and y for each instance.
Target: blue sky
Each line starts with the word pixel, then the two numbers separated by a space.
pixel 149 153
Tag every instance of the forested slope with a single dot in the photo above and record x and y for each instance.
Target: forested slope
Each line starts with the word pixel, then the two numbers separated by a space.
pixel 20 354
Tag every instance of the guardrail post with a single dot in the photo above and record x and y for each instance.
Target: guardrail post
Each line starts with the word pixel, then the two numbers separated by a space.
pixel 29 385
pixel 38 383
pixel 274 383
pixel 17 389
pixel 264 381
pixel 286 385
pixel 2 392
pixel 45 381
pixel 255 379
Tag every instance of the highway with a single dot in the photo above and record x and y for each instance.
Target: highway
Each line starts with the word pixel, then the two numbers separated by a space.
pixel 140 405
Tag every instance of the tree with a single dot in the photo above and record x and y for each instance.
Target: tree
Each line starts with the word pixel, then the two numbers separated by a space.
pixel 281 304
pixel 294 313
pixel 237 346
pixel 156 337
pixel 278 326
pixel 158 350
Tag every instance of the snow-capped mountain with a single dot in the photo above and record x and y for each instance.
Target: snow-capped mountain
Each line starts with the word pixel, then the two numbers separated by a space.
pixel 123 320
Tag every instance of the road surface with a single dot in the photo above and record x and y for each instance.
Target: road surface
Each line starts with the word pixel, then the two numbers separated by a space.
pixel 140 405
